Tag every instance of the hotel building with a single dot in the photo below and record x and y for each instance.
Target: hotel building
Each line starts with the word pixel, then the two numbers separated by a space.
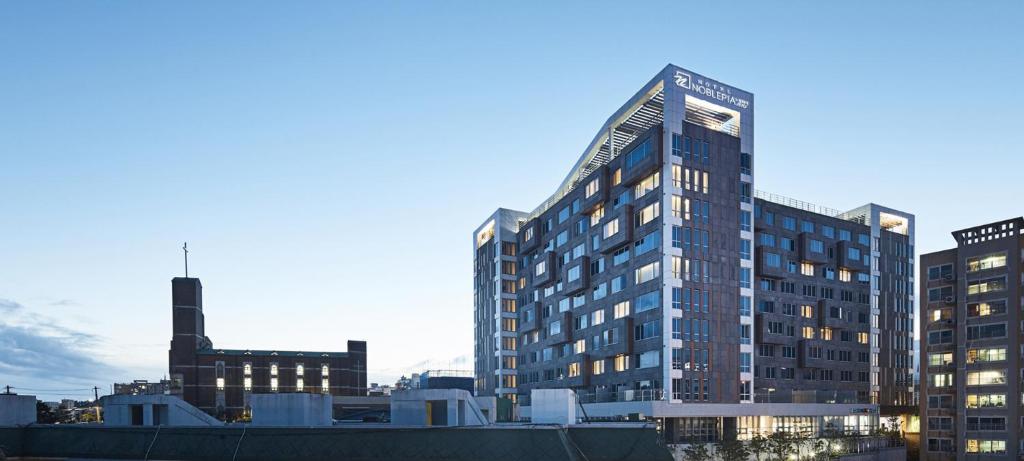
pixel 655 280
pixel 971 345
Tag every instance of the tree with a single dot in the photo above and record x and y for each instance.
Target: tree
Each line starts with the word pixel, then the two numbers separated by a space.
pixel 758 445
pixel 780 444
pixel 45 414
pixel 696 451
pixel 732 450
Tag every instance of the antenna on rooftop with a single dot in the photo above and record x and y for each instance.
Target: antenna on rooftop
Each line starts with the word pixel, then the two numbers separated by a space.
pixel 185 249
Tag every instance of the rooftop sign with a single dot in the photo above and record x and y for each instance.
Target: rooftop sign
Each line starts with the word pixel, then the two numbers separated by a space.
pixel 710 89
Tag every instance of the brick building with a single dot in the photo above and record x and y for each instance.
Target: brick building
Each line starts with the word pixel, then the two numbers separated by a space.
pixel 220 381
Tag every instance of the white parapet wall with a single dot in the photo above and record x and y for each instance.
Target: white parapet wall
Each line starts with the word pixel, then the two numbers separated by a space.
pixel 291 410
pixel 17 410
pixel 153 410
pixel 553 406
pixel 438 407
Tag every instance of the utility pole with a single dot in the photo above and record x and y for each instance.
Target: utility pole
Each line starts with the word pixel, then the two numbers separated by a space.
pixel 96 402
pixel 8 392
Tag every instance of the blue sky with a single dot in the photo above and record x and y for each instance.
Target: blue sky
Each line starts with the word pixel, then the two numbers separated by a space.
pixel 328 161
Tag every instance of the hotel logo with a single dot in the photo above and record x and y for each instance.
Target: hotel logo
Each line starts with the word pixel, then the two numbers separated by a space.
pixel 683 79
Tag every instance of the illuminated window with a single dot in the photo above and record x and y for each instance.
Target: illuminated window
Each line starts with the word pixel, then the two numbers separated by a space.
pixel 680 207
pixel 987 285
pixel 592 188
pixel 580 346
pixel 574 369
pixel 986 400
pixel 648 184
pixel 220 384
pixel 616 176
pixel 986 308
pixel 597 367
pixel 647 272
pixel 808 332
pixel 247 369
pixel 621 362
pixel 705 183
pixel 826 334
pixel 299 384
pixel 986 377
pixel 273 384
pixel 986 355
pixel 325 371
pixel 942 314
pixel 862 337
pixel 939 359
pixel 325 386
pixel 596 215
pixel 647 214
pixel 941 379
pixel 247 383
pixel 621 309
pixel 677 176
pixel 597 317
pixel 273 369
pixel 807 269
pixel 611 228
pixel 990 261
pixel 986 446
pixel 807 312
pixel 844 275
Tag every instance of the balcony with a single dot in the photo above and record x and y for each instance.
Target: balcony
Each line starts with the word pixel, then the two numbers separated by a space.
pixel 548 276
pixel 582 265
pixel 624 217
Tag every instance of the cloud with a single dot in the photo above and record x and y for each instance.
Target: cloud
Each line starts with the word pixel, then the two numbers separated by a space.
pixel 6 305
pixel 64 302
pixel 50 355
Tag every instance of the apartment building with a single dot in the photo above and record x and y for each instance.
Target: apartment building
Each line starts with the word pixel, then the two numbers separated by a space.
pixel 971 399
pixel 494 299
pixel 834 304
pixel 647 284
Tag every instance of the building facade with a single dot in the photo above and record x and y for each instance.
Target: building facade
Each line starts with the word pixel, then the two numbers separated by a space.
pixel 494 304
pixel 221 381
pixel 834 304
pixel 971 345
pixel 644 278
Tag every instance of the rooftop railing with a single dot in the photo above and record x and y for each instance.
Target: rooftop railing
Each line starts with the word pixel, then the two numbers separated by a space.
pixel 798 204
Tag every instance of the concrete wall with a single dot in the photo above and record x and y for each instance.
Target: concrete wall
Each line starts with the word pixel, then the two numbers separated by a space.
pixel 553 406
pixel 157 410
pixel 291 410
pixel 889 454
pixel 17 409
pixel 436 407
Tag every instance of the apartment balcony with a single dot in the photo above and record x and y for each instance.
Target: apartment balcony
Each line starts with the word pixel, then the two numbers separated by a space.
pixel 582 265
pixel 766 270
pixel 548 276
pixel 843 259
pixel 624 217
pixel 806 252
pixel 528 245
pixel 532 323
pixel 565 335
pixel 599 196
